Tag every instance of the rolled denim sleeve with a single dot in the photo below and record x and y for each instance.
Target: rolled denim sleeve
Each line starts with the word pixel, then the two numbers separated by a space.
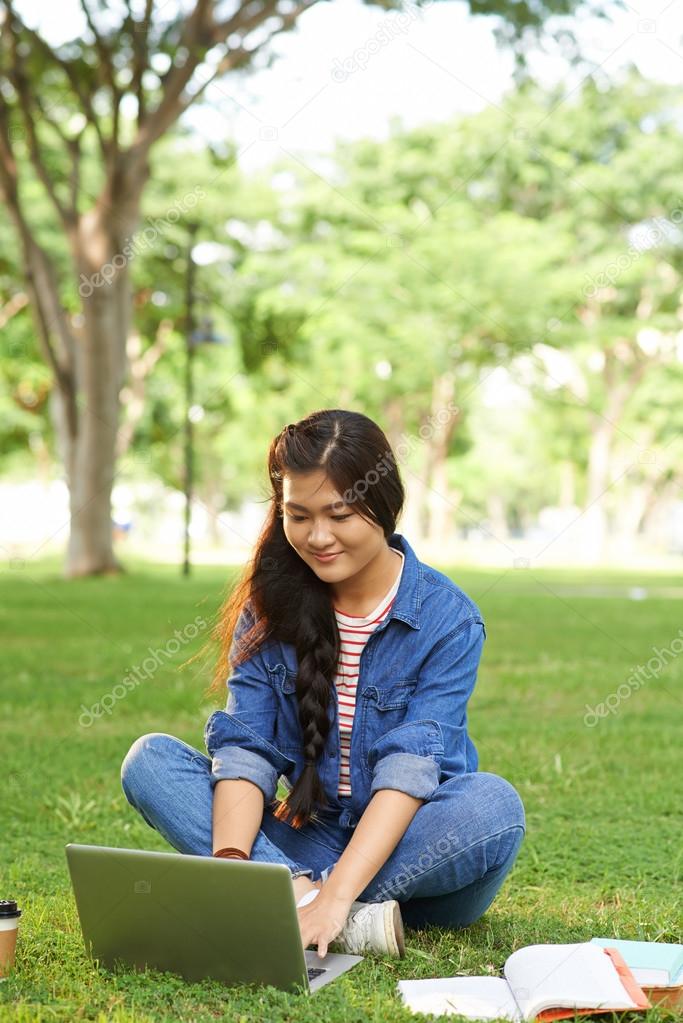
pixel 239 739
pixel 430 744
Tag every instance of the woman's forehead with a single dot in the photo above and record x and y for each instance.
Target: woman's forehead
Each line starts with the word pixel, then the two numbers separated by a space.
pixel 311 490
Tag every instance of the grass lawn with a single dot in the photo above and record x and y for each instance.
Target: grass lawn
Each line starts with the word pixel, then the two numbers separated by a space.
pixel 602 854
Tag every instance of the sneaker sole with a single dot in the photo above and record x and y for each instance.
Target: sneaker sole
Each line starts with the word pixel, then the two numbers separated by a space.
pixel 393 929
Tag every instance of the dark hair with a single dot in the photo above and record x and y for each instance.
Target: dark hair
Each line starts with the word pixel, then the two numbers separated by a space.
pixel 289 603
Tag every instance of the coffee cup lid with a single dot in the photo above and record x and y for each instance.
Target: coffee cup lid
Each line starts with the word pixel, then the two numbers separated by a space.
pixel 8 908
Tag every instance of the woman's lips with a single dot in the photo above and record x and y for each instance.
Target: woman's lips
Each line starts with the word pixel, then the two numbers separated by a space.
pixel 327 557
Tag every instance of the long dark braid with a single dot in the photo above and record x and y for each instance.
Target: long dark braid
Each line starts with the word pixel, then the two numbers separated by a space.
pixel 291 603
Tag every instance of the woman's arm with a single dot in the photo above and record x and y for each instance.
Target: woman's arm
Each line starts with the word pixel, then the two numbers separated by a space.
pixel 378 832
pixel 430 744
pixel 241 739
pixel 237 813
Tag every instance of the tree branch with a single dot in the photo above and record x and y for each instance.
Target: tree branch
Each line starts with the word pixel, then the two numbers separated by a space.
pixel 241 21
pixel 41 279
pixel 18 79
pixel 175 103
pixel 72 143
pixel 139 33
pixel 107 65
pixel 141 365
pixel 241 56
pixel 194 40
pixel 10 309
pixel 71 74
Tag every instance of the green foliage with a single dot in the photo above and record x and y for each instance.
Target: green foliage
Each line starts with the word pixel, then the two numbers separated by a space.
pixel 443 251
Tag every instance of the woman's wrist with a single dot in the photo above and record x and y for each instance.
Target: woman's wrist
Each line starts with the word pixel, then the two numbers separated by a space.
pixel 331 897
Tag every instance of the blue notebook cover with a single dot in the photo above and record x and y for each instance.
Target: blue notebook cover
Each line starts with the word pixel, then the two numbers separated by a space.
pixel 649 955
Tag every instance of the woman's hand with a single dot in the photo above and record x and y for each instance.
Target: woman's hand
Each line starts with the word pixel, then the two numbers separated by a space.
pixel 323 919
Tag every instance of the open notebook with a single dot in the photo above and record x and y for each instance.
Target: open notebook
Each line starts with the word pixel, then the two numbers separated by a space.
pixel 545 981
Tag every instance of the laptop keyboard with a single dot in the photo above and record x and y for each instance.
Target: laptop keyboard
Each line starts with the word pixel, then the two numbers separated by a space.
pixel 315 971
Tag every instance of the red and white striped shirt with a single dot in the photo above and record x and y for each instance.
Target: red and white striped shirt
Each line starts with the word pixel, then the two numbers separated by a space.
pixel 354 632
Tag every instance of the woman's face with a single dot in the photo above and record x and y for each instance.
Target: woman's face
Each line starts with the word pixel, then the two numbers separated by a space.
pixel 312 528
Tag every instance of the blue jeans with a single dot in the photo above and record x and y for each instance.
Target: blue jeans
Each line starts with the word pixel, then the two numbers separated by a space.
pixel 445 870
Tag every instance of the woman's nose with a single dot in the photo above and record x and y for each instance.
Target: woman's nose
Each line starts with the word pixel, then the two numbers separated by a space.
pixel 319 536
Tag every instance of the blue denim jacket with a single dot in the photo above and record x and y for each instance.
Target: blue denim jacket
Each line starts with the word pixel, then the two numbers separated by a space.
pixel 416 674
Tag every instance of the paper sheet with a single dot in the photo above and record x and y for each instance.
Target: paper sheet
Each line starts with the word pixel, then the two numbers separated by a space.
pixel 477 997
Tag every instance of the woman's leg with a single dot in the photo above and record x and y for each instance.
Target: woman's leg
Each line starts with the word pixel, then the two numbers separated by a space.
pixel 169 784
pixel 455 854
pixel 446 870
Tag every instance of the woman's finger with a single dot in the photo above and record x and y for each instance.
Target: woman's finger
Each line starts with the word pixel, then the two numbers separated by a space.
pixel 333 933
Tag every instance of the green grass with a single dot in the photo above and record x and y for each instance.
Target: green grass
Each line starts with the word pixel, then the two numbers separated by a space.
pixel 602 854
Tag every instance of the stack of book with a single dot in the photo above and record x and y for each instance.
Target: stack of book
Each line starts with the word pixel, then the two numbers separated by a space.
pixel 656 966
pixel 549 982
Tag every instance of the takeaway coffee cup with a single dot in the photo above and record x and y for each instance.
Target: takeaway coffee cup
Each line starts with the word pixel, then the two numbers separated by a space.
pixel 9 922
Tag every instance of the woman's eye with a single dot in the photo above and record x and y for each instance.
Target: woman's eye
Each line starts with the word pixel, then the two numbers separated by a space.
pixel 337 518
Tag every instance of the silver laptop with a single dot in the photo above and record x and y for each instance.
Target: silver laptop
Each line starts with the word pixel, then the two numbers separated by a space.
pixel 231 920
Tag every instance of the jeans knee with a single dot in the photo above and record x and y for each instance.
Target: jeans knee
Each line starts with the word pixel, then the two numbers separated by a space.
pixel 140 766
pixel 510 820
pixel 504 800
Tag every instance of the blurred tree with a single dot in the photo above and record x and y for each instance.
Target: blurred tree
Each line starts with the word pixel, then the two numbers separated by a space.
pixel 58 102
pixel 446 249
pixel 407 300
pixel 608 171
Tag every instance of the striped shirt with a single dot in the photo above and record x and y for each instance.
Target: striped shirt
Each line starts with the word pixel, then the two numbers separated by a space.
pixel 354 632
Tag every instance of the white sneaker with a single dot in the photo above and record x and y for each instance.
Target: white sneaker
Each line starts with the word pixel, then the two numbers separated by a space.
pixel 372 926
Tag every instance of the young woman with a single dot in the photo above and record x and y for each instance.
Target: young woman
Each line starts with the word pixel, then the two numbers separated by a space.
pixel 351 666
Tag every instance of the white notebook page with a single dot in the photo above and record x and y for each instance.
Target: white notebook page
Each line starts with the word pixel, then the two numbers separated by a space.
pixel 575 976
pixel 475 997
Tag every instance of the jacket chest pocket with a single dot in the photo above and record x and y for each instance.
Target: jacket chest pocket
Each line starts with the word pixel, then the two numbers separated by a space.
pixel 383 708
pixel 288 735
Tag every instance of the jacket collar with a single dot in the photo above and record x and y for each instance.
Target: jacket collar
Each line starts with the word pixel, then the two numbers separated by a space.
pixel 408 600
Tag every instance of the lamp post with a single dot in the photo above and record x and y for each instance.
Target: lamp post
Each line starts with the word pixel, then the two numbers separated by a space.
pixel 189 389
pixel 193 338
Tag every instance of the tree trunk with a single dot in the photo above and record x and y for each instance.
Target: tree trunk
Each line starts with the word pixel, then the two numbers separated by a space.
pixel 91 455
pixel 595 515
pixel 392 416
pixel 403 446
pixel 441 502
pixel 412 472
pixel 658 525
pixel 213 502
pixel 603 429
pixel 496 513
pixel 100 367
pixel 567 491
